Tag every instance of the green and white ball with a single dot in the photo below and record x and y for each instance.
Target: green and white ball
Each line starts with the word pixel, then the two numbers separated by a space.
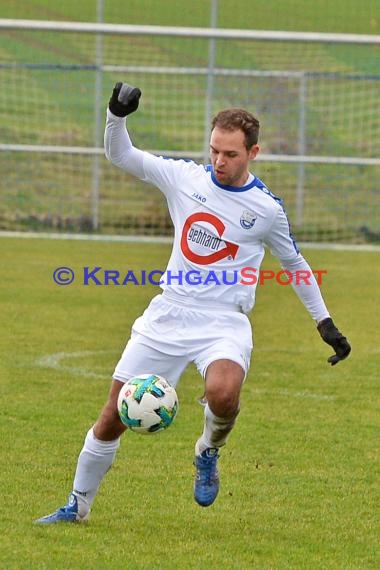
pixel 147 404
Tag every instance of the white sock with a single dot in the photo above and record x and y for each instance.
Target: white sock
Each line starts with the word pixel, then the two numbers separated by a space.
pixel 94 461
pixel 215 431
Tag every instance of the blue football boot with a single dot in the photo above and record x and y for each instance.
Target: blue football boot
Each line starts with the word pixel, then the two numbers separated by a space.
pixel 67 513
pixel 206 485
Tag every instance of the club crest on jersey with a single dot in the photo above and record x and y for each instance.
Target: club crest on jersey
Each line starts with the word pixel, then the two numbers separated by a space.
pixel 248 219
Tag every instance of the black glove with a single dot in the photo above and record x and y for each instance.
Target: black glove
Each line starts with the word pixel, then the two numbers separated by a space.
pixel 124 99
pixel 334 338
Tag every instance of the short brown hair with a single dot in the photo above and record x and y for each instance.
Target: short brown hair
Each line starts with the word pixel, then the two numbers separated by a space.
pixel 234 119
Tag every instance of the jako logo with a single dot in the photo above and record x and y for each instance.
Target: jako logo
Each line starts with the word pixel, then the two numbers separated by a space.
pixel 199 197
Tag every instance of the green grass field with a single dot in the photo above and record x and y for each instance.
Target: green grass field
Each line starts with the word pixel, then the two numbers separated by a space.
pixel 300 485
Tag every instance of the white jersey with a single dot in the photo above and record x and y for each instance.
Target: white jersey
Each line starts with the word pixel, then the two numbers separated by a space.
pixel 219 231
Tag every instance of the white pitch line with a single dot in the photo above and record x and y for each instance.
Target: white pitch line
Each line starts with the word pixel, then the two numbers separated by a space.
pixel 88 237
pixel 55 361
pixel 303 395
pixel 169 240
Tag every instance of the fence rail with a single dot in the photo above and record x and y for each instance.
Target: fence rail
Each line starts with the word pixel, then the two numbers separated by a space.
pixel 319 112
pixel 193 32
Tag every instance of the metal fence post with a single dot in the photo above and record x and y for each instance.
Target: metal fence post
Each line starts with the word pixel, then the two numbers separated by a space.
pixel 98 113
pixel 210 81
pixel 300 192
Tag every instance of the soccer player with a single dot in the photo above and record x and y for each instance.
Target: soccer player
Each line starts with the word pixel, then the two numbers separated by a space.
pixel 222 215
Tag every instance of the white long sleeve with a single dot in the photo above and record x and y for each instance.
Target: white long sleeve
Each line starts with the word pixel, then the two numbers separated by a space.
pixel 307 289
pixel 119 149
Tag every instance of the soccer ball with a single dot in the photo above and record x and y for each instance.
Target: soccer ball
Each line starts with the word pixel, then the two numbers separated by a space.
pixel 147 404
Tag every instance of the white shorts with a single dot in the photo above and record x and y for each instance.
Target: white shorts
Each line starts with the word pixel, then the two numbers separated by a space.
pixel 170 335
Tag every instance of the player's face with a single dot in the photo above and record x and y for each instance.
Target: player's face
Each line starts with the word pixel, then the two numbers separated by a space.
pixel 229 156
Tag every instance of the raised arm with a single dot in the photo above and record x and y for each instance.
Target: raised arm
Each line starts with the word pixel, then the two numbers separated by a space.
pixel 117 143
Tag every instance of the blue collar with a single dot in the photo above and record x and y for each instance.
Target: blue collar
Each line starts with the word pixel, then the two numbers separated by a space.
pixel 226 186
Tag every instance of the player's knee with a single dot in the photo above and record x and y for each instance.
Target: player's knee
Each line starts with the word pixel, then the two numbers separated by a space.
pixel 224 404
